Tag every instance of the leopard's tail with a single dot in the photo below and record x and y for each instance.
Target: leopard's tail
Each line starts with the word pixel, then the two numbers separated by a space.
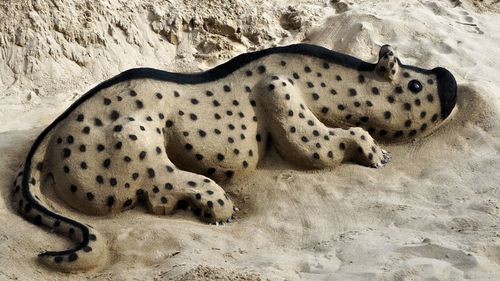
pixel 90 250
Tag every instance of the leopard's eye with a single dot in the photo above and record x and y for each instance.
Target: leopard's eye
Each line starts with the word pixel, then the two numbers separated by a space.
pixel 415 86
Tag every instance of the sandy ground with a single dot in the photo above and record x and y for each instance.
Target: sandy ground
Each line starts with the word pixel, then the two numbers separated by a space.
pixel 431 214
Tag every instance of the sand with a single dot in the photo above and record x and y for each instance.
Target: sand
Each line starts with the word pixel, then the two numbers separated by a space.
pixel 431 214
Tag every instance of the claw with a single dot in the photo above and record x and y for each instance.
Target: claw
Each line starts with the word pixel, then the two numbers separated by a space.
pixel 235 209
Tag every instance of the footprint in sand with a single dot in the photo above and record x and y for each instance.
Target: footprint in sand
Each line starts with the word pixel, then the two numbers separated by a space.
pixel 468 22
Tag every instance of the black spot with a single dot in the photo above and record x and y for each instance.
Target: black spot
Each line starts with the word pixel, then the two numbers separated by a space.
pixel 361 78
pixel 357 104
pixel 73 188
pixel 37 220
pixel 176 94
pixel 261 69
pixel 341 107
pixel 315 96
pixel 83 166
pixel 192 183
pixel 106 163
pixel 398 134
pixel 169 123
pixel 364 119
pixel 86 130
pixel 99 179
pixel 408 123
pixel 135 176
pixel 80 118
pixel 118 145
pixel 424 126
pixel 434 118
pixel 132 137
pixel 193 116
pixel 310 84
pixel 118 128
pixel 248 73
pixel 151 172
pixel 227 88
pixel 407 106
pixel 217 131
pixel 399 90
pixel 412 133
pixel 292 129
pixel 296 75
pixel 72 257
pixel 97 122
pixel 139 104
pixel 422 114
pixel 338 78
pixel 258 138
pixel 198 156
pixel 113 182
pixel 169 186
pixel 369 103
pixel 211 171
pixel 430 97
pixel 383 132
pixel 391 99
pixel 387 114
pixel 90 196
pixel 66 152
pixel 132 93
pixel 110 201
pixel 229 174
pixel 217 116
pixel 304 139
pixel 220 157
pixel 127 159
pixel 352 92
pixel 159 96
pixel 107 101
pixel 342 146
pixel 333 92
pixel 142 155
pixel 27 208
pixel 324 110
pixel 307 69
pixel 87 249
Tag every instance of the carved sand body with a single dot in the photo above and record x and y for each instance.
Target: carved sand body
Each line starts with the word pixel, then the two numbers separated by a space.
pixel 167 139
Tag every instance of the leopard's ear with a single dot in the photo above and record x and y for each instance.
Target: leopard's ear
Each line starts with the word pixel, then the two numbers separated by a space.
pixel 387 65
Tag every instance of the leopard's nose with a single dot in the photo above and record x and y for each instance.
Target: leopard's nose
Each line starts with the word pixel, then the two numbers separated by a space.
pixel 447 90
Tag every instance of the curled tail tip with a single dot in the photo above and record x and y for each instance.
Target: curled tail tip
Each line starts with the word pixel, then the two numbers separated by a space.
pixel 87 258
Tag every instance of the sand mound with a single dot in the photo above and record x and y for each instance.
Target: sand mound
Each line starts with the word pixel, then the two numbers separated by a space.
pixel 432 214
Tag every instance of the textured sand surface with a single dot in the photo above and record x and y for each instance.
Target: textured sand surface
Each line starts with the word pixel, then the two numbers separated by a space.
pixel 431 214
